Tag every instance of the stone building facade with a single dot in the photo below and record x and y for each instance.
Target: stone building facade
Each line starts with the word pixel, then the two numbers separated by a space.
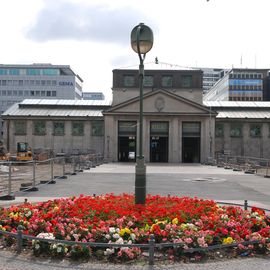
pixel 177 126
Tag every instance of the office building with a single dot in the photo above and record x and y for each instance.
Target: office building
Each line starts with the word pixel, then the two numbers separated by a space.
pixel 93 96
pixel 37 81
pixel 241 85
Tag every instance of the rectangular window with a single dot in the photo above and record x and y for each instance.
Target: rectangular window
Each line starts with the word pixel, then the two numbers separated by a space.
pixel 32 71
pixel 20 127
pixel 53 93
pixel 77 128
pixel 167 81
pixel 58 128
pixel 159 128
pixel 148 81
pixel 43 82
pixel 129 80
pixel 53 83
pixel 3 71
pixel 48 93
pixel 50 71
pixel 14 71
pixel 39 127
pixel 191 129
pixel 255 130
pixel 186 81
pixel 97 128
pixel 219 130
pixel 127 128
pixel 236 130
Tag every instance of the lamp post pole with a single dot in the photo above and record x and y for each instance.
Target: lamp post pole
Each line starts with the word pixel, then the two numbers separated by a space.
pixel 141 43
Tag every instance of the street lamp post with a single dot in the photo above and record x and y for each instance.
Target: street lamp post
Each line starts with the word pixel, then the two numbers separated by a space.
pixel 141 42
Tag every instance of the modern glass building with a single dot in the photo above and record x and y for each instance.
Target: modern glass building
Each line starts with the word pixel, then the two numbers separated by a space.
pixel 93 96
pixel 211 76
pixel 37 81
pixel 240 85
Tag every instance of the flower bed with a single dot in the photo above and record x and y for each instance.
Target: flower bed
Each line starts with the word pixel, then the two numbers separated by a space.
pixel 191 222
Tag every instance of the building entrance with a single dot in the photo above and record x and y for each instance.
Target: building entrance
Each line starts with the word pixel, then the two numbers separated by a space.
pixel 159 149
pixel 191 142
pixel 127 147
pixel 159 141
pixel 127 141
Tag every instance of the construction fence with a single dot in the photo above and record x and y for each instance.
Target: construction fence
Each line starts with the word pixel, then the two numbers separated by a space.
pixel 249 165
pixel 18 176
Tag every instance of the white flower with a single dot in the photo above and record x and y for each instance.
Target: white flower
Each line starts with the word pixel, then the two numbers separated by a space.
pixel 132 236
pixel 59 249
pixel 37 246
pixel 28 214
pixel 108 251
pixel 112 230
pixel 107 236
pixel 119 240
pixel 115 236
pixel 45 236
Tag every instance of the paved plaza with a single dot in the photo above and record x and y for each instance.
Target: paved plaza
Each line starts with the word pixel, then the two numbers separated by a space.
pixel 208 182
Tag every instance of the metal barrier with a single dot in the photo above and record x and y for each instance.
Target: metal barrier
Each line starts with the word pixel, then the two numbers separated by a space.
pixel 151 246
pixel 249 165
pixel 16 176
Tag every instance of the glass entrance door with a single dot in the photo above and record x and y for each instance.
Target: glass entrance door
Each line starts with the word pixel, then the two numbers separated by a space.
pixel 127 141
pixel 191 142
pixel 158 149
pixel 159 141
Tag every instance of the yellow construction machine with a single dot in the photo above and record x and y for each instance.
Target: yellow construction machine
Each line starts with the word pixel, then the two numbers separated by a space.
pixel 24 152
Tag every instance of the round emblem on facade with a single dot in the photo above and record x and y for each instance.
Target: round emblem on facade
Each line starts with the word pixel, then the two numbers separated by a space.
pixel 159 104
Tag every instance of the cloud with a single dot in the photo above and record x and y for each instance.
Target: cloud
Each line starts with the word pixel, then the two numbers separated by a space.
pixel 62 20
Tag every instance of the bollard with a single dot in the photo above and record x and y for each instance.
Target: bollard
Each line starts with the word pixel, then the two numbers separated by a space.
pixel 151 249
pixel 246 205
pixel 20 228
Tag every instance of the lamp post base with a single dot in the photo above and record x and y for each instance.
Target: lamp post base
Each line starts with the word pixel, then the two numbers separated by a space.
pixel 140 181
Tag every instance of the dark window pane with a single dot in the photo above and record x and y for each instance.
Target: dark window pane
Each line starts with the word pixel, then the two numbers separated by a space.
pixel 77 128
pixel 97 128
pixel 186 81
pixel 129 80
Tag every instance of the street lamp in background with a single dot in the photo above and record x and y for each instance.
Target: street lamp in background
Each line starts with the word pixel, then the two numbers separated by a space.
pixel 141 42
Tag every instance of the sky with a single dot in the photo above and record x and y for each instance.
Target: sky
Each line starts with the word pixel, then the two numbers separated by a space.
pixel 93 36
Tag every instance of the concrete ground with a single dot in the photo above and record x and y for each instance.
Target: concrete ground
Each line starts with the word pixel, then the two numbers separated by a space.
pixel 206 182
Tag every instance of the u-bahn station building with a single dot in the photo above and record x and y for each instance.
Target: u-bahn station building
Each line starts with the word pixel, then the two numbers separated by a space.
pixel 178 126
